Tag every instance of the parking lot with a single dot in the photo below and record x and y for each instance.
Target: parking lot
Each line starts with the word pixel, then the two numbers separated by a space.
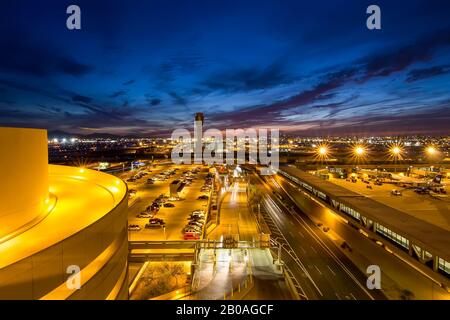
pixel 175 218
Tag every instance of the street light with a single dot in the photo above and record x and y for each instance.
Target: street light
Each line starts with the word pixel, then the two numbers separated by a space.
pixel 359 151
pixel 322 152
pixel 395 152
pixel 431 150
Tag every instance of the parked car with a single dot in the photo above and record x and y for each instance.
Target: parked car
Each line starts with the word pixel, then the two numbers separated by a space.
pixel 169 205
pixel 191 236
pixel 195 223
pixel 396 192
pixel 155 223
pixel 197 218
pixel 192 229
pixel 203 197
pixel 134 227
pixel 145 214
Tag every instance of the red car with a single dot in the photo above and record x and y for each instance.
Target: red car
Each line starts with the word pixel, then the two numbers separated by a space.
pixel 191 236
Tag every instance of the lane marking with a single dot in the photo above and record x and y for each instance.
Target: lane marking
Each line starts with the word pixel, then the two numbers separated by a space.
pixel 318 270
pixel 329 268
pixel 313 249
pixel 353 296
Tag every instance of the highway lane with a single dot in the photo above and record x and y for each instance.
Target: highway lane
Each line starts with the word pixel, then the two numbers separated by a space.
pixel 313 256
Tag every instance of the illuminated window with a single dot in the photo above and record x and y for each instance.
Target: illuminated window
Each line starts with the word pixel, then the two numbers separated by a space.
pixel 351 212
pixel 391 235
pixel 444 266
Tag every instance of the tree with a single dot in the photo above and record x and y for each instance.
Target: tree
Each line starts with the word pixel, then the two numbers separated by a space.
pixel 177 271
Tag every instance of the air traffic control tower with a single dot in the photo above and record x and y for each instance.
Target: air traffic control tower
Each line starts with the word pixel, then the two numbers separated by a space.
pixel 63 230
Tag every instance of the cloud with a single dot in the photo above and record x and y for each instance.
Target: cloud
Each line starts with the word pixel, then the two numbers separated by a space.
pixel 358 72
pixel 177 98
pixel 18 56
pixel 127 83
pixel 118 93
pixel 398 60
pixel 248 79
pixel 155 102
pixel 424 73
pixel 80 98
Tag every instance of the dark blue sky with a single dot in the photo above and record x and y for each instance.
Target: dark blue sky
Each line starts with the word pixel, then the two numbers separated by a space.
pixel 145 67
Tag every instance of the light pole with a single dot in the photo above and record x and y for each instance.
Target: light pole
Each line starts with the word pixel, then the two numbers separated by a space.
pixel 396 152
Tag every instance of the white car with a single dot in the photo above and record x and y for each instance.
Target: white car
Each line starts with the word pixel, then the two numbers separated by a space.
pixel 134 227
pixel 145 215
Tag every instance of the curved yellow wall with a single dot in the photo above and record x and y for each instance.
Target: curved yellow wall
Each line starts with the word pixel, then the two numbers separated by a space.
pixel 24 174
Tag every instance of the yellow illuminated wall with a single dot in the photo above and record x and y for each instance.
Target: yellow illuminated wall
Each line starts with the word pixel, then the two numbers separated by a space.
pixel 24 177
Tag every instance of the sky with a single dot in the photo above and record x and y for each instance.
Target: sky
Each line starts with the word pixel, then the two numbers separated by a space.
pixel 145 68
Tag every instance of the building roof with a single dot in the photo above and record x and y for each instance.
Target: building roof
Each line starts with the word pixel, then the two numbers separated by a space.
pixel 81 197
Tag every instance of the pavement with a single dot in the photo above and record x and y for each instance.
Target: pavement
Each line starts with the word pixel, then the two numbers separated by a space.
pixel 235 217
pixel 218 272
pixel 238 274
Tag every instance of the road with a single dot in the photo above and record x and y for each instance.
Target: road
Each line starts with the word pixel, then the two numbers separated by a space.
pixel 235 217
pixel 320 268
